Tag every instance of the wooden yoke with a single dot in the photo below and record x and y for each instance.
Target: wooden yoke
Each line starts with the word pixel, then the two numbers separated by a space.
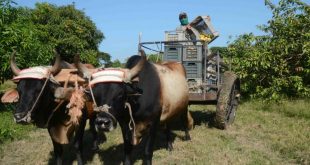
pixel 70 76
pixel 67 78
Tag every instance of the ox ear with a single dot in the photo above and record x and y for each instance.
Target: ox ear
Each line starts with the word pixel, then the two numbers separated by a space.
pixel 10 96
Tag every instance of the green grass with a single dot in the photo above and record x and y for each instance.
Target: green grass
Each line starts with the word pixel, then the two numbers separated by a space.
pixel 9 130
pixel 295 109
pixel 283 128
pixel 261 134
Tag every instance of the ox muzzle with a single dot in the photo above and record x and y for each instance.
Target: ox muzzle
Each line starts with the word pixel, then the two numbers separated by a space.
pixel 104 121
pixel 22 118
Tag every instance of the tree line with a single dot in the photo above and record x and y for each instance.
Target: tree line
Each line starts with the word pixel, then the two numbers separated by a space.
pixel 270 66
pixel 277 64
pixel 35 33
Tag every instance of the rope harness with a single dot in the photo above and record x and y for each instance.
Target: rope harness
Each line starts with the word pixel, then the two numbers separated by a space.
pixel 38 73
pixel 131 120
pixel 37 99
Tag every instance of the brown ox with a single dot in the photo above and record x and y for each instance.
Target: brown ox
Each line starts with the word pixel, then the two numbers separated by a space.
pixel 140 98
pixel 36 97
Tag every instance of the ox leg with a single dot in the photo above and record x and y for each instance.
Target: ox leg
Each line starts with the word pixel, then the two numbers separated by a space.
pixel 169 138
pixel 188 124
pixel 150 140
pixel 94 133
pixel 78 140
pixel 127 143
pixel 58 151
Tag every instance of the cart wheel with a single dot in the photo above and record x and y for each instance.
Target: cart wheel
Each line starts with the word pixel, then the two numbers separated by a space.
pixel 227 102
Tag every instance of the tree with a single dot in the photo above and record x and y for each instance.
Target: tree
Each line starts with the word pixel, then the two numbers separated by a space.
pixel 104 59
pixel 222 50
pixel 35 33
pixel 278 63
pixel 156 58
pixel 69 30
pixel 116 64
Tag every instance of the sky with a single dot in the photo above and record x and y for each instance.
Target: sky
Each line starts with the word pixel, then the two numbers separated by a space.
pixel 121 21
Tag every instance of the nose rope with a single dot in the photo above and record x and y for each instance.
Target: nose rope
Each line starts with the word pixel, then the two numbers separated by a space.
pixel 131 119
pixel 92 94
pixel 105 108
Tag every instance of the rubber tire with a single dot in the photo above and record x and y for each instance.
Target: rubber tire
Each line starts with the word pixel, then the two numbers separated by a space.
pixel 227 102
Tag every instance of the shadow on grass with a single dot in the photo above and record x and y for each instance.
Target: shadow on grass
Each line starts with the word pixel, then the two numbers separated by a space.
pixel 69 155
pixel 115 153
pixel 203 117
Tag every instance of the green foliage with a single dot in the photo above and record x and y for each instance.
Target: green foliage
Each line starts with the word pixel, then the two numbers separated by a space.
pixel 104 59
pixel 156 58
pixel 277 64
pixel 8 129
pixel 35 33
pixel 116 64
pixel 223 51
pixel 68 29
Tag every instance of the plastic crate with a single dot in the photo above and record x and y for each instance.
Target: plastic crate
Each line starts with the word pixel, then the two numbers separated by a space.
pixel 192 53
pixel 177 35
pixel 193 69
pixel 173 53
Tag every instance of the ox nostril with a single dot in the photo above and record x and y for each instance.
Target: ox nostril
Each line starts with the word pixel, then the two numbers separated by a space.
pixel 22 118
pixel 106 121
pixel 18 116
pixel 103 121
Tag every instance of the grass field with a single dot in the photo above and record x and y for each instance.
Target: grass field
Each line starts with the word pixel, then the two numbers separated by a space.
pixel 262 134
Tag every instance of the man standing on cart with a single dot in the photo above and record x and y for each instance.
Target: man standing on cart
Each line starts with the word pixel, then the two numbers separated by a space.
pixel 185 26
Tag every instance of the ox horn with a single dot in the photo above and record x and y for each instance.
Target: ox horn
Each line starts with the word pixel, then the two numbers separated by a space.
pixel 57 65
pixel 137 68
pixel 81 68
pixel 14 67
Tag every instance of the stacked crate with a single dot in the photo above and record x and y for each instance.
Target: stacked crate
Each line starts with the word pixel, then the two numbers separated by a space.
pixel 192 61
pixel 173 53
pixel 211 72
pixel 177 35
